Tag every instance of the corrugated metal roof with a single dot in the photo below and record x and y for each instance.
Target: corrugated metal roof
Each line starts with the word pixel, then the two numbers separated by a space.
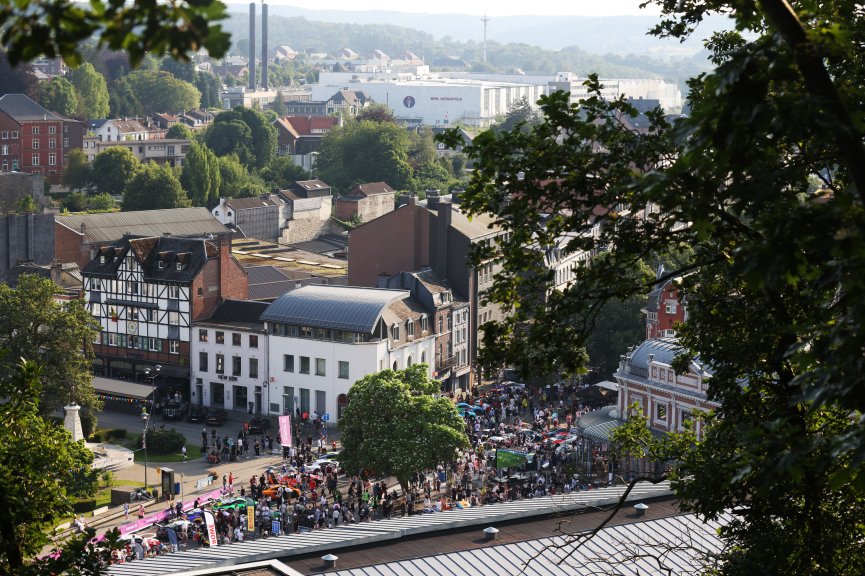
pixel 22 108
pixel 677 545
pixel 337 307
pixel 111 226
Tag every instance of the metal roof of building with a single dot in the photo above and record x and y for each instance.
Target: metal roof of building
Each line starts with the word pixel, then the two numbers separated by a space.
pixel 22 108
pixel 347 308
pixel 678 545
pixel 111 226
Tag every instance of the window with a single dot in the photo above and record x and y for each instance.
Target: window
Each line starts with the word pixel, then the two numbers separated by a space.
pixel 423 357
pixel 14 164
pixel 320 401
pixel 394 330
pixel 4 149
pixel 66 142
pixel 154 344
pixel 686 417
pixel 133 287
pixel 174 318
pixel 112 339
pixel 343 370
pixel 253 341
pixel 220 337
pixel 35 144
pixel 410 361
pixel 235 339
pixel 52 143
pixel 173 347
pixel 202 362
pixel 660 411
pixel 161 265
pixel 409 329
pixel 217 393
pixel 320 365
pixel 34 129
pixel 236 362
pixel 253 367
pixel 671 307
pixel 287 363
pixel 179 266
pixel 152 315
pixel 133 313
pixel 202 335
pixel 5 135
pixel 424 324
pixel 34 160
pixel 52 159
pixel 174 291
pixel 52 129
pixel 15 134
pixel 220 364
pixel 304 364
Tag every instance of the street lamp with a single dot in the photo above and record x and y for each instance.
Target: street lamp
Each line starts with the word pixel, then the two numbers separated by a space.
pixel 150 374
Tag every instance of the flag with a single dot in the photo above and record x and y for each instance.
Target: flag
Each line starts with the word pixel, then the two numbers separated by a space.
pixel 211 528
pixel 250 518
pixel 285 430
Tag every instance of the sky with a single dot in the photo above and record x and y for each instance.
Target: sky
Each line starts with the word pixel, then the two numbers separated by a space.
pixel 493 8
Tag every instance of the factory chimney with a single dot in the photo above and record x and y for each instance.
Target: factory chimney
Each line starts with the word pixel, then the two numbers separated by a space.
pixel 264 45
pixel 252 45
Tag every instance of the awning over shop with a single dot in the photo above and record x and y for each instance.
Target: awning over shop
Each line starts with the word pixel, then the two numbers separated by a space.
pixel 121 388
pixel 607 385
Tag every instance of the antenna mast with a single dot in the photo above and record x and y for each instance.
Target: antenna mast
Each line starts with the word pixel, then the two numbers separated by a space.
pixel 485 19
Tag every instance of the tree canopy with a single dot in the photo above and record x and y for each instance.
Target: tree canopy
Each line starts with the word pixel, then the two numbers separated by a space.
pixel 159 91
pixel 92 92
pixel 154 187
pixel 773 284
pixel 58 95
pixel 200 176
pixel 60 336
pixel 60 28
pixel 112 170
pixel 394 424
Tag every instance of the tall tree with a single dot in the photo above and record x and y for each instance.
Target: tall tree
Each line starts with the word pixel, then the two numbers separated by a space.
pixel 262 136
pixel 365 152
pixel 521 114
pixel 77 174
pixel 62 333
pixel 774 283
pixel 231 138
pixel 162 92
pixel 200 176
pixel 279 108
pixel 40 466
pixel 58 95
pixel 232 176
pixel 17 79
pixel 92 92
pixel 112 169
pixel 180 131
pixel 395 425
pixel 154 187
pixel 209 86
pixel 282 172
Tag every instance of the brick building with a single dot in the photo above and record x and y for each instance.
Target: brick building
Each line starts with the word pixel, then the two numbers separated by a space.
pixel 35 140
pixel 437 236
pixel 299 135
pixel 665 308
pixel 145 293
pixel 367 201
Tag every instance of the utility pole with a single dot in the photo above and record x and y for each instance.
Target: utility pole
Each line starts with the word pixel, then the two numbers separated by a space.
pixel 485 19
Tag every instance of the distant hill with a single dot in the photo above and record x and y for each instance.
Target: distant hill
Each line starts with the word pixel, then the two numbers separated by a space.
pixel 600 35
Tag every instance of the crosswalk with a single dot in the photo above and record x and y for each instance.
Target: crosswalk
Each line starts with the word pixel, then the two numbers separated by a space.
pixel 332 539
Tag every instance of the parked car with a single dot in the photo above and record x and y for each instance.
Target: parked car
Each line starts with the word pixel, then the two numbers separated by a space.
pixel 215 417
pixel 174 409
pixel 197 414
pixel 258 425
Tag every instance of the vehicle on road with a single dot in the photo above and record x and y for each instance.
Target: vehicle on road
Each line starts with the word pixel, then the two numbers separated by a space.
pixel 215 417
pixel 258 425
pixel 197 414
pixel 174 409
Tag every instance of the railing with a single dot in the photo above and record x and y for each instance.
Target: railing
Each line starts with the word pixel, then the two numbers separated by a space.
pixel 446 363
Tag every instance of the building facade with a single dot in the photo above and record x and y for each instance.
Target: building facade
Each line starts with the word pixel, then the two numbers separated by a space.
pixel 256 217
pixel 366 201
pixel 229 358
pixel 322 339
pixel 145 293
pixel 665 308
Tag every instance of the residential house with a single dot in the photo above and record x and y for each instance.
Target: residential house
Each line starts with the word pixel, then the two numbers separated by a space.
pixel 665 308
pixel 668 398
pixel 308 207
pixel 366 201
pixel 197 119
pixel 285 52
pixel 118 130
pixel 302 135
pixel 450 321
pixel 305 107
pixel 145 294
pixel 77 237
pixel 437 236
pixel 442 150
pixel 256 217
pixel 348 101
pixel 229 358
pixel 35 140
pixel 171 151
pixel 165 120
pixel 322 339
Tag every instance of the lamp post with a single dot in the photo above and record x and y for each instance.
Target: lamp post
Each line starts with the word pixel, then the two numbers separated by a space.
pixel 150 374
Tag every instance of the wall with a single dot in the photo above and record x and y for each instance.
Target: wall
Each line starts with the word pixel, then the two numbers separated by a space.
pixel 25 238
pixel 228 380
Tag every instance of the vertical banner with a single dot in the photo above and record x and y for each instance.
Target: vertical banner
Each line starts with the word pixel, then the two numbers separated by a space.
pixel 211 528
pixel 285 430
pixel 250 518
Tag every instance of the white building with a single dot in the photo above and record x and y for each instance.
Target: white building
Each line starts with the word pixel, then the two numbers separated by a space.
pixel 229 359
pixel 324 338
pixel 435 101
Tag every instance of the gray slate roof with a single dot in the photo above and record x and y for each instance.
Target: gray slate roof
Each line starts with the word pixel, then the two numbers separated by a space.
pixel 347 308
pixel 22 108
pixel 112 226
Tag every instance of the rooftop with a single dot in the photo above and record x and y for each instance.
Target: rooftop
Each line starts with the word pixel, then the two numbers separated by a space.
pixel 348 308
pixel 111 226
pixel 254 252
pixel 22 108
pixel 237 314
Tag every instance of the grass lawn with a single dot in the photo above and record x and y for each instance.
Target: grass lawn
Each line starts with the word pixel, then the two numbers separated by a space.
pixel 192 453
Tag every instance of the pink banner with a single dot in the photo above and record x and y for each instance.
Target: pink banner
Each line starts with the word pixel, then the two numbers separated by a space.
pixel 155 517
pixel 211 528
pixel 285 430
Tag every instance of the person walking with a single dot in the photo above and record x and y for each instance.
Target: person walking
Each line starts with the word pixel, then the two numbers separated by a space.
pixel 126 510
pixel 183 452
pixel 141 511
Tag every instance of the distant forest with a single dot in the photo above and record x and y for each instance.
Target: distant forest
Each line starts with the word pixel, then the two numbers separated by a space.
pixel 314 36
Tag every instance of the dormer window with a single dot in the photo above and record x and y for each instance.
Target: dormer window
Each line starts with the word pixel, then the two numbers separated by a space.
pixel 395 331
pixel 161 265
pixel 102 258
pixel 179 266
pixel 409 328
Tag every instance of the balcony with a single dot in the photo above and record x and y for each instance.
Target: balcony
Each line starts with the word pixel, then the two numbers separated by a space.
pixel 446 363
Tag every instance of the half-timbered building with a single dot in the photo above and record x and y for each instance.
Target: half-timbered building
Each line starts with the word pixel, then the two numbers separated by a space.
pixel 145 293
